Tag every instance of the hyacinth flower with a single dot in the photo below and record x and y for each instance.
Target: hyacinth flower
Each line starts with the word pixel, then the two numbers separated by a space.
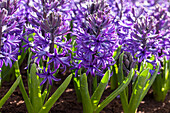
pixel 11 26
pixel 9 41
pixel 151 31
pixel 48 45
pixel 96 39
pixel 144 41
pixel 45 41
pixel 50 24
pixel 161 83
pixel 144 44
pixel 125 14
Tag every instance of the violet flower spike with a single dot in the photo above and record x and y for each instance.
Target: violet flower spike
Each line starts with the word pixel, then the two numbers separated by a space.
pixel 11 27
pixel 96 37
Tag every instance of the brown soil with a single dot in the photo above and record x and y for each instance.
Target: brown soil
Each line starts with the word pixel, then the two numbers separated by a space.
pixel 67 102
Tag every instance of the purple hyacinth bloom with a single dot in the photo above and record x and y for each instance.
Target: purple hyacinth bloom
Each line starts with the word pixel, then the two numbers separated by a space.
pixel 146 37
pixel 11 27
pixel 48 23
pixel 47 75
pixel 36 11
pixel 96 37
pixel 142 27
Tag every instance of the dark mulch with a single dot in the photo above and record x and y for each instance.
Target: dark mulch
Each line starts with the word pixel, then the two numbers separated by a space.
pixel 67 102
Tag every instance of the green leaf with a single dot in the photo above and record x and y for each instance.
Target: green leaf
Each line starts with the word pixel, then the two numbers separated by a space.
pixel 35 92
pixel 113 78
pixel 28 72
pixel 169 73
pixel 137 90
pixel 150 82
pixel 87 105
pixel 48 105
pixel 44 95
pixel 22 89
pixel 6 73
pixel 76 81
pixel 115 93
pixel 123 94
pixel 100 89
pixel 11 90
pixel 117 52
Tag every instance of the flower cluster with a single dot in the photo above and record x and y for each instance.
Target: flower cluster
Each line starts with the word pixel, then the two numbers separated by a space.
pixel 96 37
pixel 143 29
pixel 49 24
pixel 10 31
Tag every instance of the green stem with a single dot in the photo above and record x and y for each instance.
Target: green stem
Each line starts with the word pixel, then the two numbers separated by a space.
pixel 76 82
pixel 94 83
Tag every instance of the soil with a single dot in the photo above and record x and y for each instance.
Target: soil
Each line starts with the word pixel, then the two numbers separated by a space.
pixel 67 103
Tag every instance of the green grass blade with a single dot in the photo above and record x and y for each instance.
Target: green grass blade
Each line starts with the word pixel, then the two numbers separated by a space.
pixel 100 89
pixel 11 90
pixel 166 79
pixel 48 105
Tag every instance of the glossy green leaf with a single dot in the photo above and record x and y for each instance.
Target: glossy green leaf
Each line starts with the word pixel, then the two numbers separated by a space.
pixel 117 53
pixel 28 72
pixel 123 94
pixel 50 102
pixel 11 90
pixel 113 78
pixel 35 94
pixel 115 93
pixel 87 105
pixel 22 89
pixel 149 83
pixel 137 90
pixel 100 89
